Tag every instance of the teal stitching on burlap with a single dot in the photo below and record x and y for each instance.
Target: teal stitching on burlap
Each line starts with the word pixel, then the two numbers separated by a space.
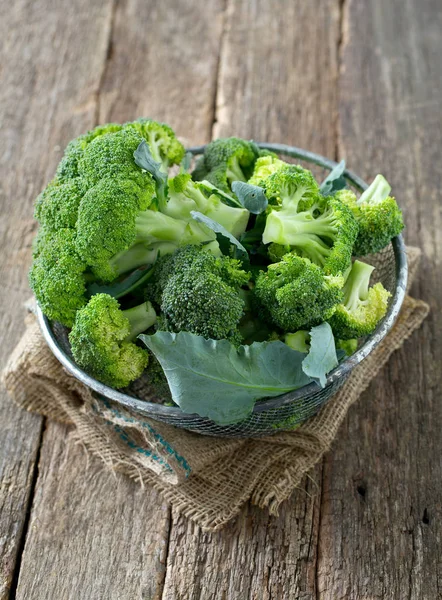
pixel 168 448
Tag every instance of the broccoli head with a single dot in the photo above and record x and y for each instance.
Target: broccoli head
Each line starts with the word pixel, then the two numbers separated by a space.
pixel 226 160
pixel 163 143
pixel 200 293
pixel 186 196
pixel 111 156
pixel 320 229
pixel 57 277
pixel 292 187
pixel 57 206
pixel 296 294
pixel 102 340
pixel 68 167
pixel 112 231
pixel 264 167
pixel 362 306
pixel 378 216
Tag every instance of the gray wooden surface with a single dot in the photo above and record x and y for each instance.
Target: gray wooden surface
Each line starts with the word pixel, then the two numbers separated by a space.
pixel 360 79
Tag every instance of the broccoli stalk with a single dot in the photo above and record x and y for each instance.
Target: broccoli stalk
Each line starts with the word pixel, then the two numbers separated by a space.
pixel 102 339
pixel 362 306
pixel 186 196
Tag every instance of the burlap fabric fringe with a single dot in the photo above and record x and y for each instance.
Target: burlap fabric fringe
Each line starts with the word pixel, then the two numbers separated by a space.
pixel 206 479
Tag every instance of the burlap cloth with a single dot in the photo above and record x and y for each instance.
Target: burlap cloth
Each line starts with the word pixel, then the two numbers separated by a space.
pixel 207 479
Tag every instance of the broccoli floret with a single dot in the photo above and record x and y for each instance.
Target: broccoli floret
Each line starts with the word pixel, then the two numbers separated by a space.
pixel 292 187
pixel 57 206
pixel 186 195
pixel 362 306
pixel 226 160
pixel 200 293
pixel 57 277
pixel 102 339
pixel 264 167
pixel 348 346
pixel 111 156
pixel 378 216
pixel 110 224
pixel 296 293
pixel 320 229
pixel 277 251
pixel 300 340
pixel 163 143
pixel 68 167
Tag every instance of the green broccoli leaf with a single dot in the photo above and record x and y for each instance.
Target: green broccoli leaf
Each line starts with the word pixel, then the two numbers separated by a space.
pixel 334 181
pixel 224 238
pixel 321 358
pixel 226 198
pixel 214 379
pixel 144 159
pixel 123 285
pixel 251 197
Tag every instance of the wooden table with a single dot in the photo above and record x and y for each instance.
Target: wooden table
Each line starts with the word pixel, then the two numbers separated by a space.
pixel 360 79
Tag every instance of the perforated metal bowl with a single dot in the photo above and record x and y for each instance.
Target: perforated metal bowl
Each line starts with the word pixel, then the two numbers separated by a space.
pixel 284 412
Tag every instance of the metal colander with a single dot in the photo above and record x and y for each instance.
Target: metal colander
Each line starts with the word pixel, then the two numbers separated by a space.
pixel 284 412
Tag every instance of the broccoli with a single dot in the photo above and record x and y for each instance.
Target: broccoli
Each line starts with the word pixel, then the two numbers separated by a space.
pixel 111 156
pixel 378 216
pixel 57 206
pixel 102 339
pixel 57 277
pixel 277 251
pixel 320 229
pixel 362 307
pixel 110 222
pixel 199 293
pixel 348 346
pixel 264 167
pixel 164 146
pixel 68 167
pixel 296 294
pixel 186 195
pixel 226 160
pixel 300 340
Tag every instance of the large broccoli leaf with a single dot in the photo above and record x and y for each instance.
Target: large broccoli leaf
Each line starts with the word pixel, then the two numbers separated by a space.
pixel 214 379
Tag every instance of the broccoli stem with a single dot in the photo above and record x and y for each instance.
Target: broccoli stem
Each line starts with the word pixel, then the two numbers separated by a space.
pixel 234 171
pixel 151 226
pixel 141 318
pixel 377 191
pixel 356 285
pixel 140 255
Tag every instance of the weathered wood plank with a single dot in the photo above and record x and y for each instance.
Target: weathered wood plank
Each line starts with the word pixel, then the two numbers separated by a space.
pixel 93 534
pixel 277 82
pixel 381 518
pixel 43 97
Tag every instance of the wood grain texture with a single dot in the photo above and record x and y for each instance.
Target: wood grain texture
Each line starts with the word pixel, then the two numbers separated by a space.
pixel 93 534
pixel 265 92
pixel 163 62
pixel 43 97
pixel 381 515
